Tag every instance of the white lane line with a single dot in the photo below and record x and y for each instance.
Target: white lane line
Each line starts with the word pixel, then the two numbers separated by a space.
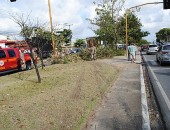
pixel 166 99
pixel 145 113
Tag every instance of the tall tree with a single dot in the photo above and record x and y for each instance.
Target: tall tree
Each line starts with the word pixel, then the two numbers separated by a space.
pixel 27 29
pixel 66 34
pixel 163 35
pixel 106 21
pixel 134 30
pixel 79 43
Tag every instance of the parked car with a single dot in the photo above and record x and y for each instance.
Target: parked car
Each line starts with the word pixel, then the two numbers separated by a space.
pixel 76 50
pixel 163 54
pixel 144 47
pixel 46 54
pixel 152 49
pixel 120 46
pixel 10 59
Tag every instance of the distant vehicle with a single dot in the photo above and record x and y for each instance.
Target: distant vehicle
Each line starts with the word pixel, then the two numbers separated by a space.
pixel 144 47
pixel 76 50
pixel 152 49
pixel 46 54
pixel 163 54
pixel 10 59
pixel 120 46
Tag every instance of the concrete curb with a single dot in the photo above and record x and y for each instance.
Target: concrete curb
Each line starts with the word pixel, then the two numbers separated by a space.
pixel 145 113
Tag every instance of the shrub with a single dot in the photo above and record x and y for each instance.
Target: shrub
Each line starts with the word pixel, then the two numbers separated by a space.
pixel 85 54
pixel 107 52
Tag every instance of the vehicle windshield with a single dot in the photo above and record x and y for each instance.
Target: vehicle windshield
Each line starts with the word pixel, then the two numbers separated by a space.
pixel 152 45
pixel 166 47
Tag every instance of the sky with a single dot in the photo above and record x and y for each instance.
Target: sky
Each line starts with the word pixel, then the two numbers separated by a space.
pixel 75 14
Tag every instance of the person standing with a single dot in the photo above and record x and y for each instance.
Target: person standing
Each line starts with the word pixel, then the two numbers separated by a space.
pixel 132 51
pixel 92 48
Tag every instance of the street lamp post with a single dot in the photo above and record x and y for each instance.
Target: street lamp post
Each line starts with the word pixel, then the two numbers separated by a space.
pixel 126 18
pixel 51 24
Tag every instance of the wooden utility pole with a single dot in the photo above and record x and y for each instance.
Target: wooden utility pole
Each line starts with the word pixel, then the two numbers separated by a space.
pixel 51 24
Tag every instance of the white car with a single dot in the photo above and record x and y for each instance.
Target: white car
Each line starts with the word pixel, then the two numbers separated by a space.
pixel 163 54
pixel 152 49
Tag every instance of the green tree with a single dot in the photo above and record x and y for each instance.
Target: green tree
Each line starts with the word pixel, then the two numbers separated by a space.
pixel 66 34
pixel 142 42
pixel 79 43
pixel 106 20
pixel 134 31
pixel 163 35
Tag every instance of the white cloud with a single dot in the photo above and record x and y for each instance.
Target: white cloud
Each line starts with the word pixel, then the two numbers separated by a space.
pixel 75 12
pixel 152 16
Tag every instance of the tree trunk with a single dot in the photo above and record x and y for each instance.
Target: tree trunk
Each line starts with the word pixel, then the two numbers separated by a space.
pixel 35 64
pixel 36 67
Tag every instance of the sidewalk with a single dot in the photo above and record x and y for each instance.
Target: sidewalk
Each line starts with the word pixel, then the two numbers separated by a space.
pixel 121 108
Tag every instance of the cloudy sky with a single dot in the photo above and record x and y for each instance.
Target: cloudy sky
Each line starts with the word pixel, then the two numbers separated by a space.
pixel 75 12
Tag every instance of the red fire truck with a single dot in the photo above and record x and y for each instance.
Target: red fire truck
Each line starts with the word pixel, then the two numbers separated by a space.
pixel 11 59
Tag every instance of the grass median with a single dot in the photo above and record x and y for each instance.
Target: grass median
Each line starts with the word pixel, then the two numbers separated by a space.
pixel 64 100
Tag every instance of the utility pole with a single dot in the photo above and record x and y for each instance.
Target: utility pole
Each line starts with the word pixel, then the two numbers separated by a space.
pixel 51 24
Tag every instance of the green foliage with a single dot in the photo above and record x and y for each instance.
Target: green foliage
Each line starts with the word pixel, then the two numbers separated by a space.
pixel 111 26
pixel 102 52
pixel 134 31
pixel 106 21
pixel 66 34
pixel 162 35
pixel 107 52
pixel 85 54
pixel 106 31
pixel 79 43
pixel 142 42
pixel 26 31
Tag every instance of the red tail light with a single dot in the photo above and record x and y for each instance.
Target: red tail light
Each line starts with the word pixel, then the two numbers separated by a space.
pixel 164 53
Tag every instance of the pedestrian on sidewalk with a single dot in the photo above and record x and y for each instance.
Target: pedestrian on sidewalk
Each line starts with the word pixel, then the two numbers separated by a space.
pixel 132 51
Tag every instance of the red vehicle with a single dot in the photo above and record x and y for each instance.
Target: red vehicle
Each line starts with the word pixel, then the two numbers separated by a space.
pixel 144 47
pixel 11 59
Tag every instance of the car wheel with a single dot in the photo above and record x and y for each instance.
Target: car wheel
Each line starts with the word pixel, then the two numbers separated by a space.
pixel 28 66
pixel 157 59
pixel 161 63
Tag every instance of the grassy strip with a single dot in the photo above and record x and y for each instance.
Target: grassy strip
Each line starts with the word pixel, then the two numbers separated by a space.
pixel 63 101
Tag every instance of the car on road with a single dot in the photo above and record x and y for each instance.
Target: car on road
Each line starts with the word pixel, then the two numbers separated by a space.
pixel 152 49
pixel 144 47
pixel 163 54
pixel 76 50
pixel 46 54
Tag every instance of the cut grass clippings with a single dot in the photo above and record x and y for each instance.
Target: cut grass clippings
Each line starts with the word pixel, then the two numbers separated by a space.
pixel 63 101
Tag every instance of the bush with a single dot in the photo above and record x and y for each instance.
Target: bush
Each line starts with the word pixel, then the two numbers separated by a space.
pixel 102 52
pixel 120 52
pixel 85 54
pixel 107 52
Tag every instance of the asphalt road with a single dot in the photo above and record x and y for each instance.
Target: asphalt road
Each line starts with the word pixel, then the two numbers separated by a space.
pixel 160 79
